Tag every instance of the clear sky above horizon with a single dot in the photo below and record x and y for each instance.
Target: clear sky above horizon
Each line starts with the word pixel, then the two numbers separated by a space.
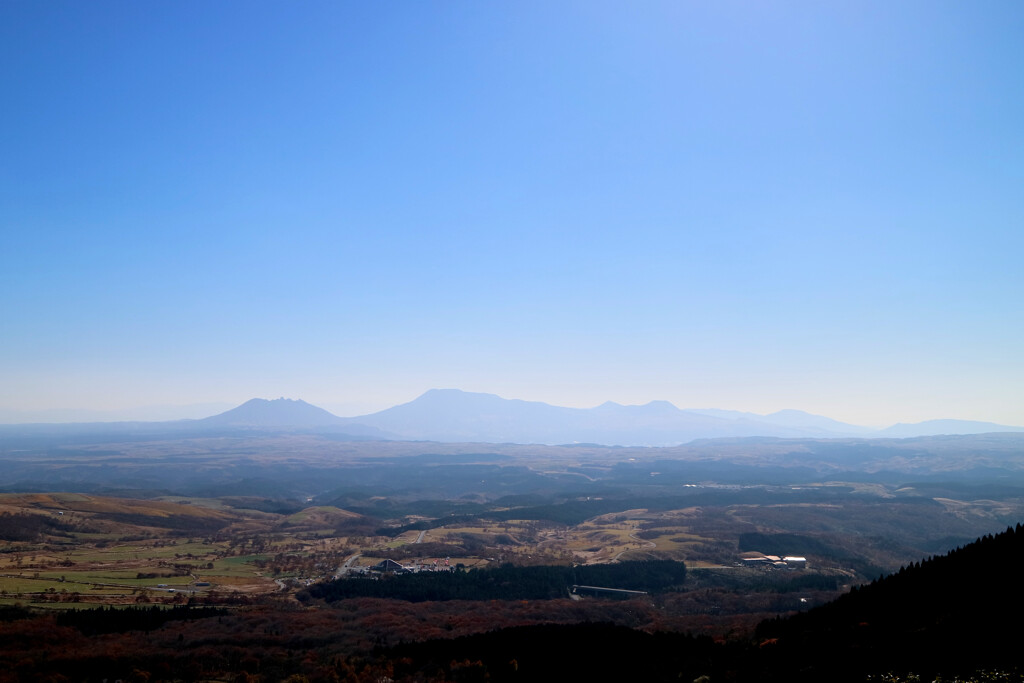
pixel 750 206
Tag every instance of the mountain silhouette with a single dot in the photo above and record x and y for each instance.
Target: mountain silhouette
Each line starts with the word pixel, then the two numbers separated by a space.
pixel 454 415
pixel 938 427
pixel 280 412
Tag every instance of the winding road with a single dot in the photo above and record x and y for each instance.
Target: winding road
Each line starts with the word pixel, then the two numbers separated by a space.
pixel 347 567
pixel 647 544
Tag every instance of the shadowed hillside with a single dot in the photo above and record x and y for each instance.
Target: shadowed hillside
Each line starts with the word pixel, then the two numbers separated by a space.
pixel 950 614
pixel 947 616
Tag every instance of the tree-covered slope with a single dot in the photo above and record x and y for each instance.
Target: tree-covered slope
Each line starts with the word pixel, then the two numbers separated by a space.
pixel 954 613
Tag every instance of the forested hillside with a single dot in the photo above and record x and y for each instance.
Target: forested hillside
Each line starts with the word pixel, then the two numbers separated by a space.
pixel 950 614
pixel 507 582
pixel 946 618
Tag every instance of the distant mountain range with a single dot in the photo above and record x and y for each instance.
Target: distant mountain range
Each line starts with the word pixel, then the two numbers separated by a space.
pixel 451 415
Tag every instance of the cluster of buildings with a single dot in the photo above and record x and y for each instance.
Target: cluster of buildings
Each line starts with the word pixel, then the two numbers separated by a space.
pixel 759 560
pixel 392 567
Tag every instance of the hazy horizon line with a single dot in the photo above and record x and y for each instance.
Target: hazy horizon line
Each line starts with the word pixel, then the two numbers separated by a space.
pixel 169 412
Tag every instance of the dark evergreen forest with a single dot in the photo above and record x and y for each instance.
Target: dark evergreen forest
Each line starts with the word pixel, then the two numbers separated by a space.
pixel 506 582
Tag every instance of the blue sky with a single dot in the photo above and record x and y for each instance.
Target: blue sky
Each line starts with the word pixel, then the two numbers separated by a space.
pixel 739 205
